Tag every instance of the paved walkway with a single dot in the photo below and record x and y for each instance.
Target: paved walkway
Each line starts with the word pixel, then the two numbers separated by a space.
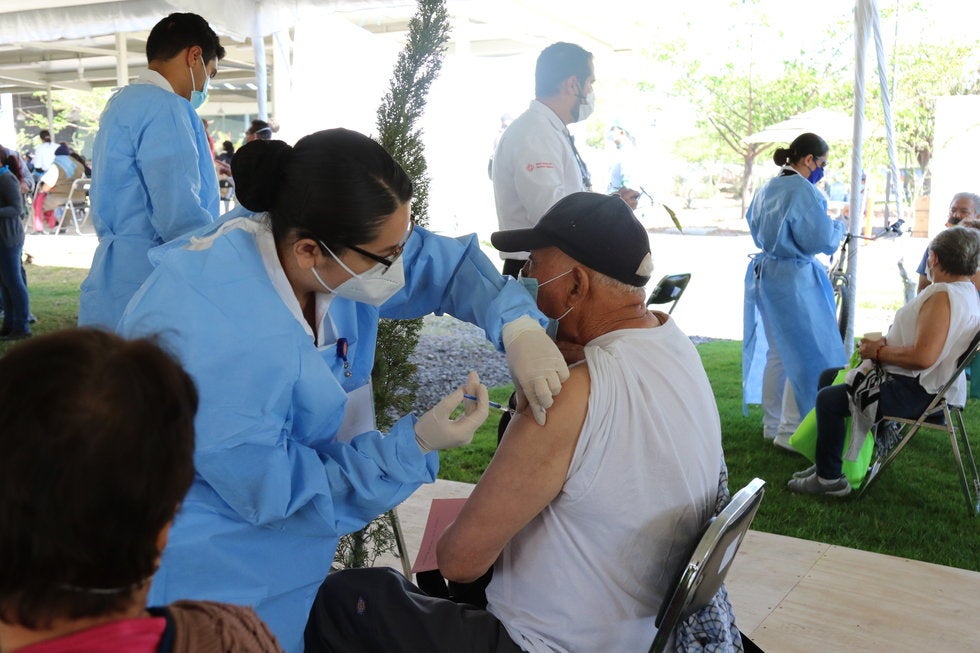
pixel 711 305
pixel 792 595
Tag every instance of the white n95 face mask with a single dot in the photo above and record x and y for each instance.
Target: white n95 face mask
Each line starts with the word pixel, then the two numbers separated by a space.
pixel 374 287
pixel 586 108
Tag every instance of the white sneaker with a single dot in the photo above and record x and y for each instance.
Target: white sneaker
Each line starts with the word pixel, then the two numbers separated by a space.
pixel 782 441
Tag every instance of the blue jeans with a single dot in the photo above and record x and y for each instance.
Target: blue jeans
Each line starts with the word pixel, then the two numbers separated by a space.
pixel 900 396
pixel 14 291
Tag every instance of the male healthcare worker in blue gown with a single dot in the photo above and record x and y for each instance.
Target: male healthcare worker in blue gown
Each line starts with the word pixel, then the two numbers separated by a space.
pixel 275 483
pixel 788 290
pixel 153 175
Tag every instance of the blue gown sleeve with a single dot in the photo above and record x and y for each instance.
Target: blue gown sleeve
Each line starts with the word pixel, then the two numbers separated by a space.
pixel 329 491
pixel 167 157
pixel 269 409
pixel 813 231
pixel 452 275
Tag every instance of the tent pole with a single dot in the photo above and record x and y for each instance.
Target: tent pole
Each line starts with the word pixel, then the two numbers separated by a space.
pixel 122 60
pixel 861 24
pixel 261 79
pixel 47 103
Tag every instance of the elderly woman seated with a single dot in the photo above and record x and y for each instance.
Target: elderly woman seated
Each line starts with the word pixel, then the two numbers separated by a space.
pixel 91 474
pixel 901 373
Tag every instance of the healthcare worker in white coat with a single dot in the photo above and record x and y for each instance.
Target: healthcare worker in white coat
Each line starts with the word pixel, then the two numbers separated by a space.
pixel 790 328
pixel 276 320
pixel 153 175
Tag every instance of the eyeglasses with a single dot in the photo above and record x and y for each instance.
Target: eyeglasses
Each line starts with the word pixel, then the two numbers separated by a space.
pixel 395 253
pixel 821 162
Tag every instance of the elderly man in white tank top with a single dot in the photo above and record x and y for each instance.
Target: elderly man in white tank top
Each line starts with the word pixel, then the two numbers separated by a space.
pixel 586 520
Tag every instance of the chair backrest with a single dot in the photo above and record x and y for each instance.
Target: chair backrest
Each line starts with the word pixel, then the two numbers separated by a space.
pixel 669 289
pixel 78 189
pixel 701 577
pixel 961 364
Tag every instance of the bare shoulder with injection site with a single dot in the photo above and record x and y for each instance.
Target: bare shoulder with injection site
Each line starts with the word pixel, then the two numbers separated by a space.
pixel 527 472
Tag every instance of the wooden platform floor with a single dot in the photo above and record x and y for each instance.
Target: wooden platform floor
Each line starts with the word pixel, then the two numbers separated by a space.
pixel 796 595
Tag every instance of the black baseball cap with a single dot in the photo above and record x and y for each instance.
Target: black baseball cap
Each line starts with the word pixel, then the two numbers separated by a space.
pixel 599 231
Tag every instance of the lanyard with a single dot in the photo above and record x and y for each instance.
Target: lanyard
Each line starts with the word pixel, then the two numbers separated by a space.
pixel 586 179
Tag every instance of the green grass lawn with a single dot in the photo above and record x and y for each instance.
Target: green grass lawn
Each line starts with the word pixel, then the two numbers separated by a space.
pixel 914 510
pixel 54 298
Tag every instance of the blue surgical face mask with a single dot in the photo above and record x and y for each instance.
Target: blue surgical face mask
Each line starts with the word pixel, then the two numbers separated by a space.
pixel 531 285
pixel 199 97
pixel 816 175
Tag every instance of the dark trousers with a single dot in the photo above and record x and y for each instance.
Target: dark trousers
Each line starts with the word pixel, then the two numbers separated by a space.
pixel 512 266
pixel 900 396
pixel 13 290
pixel 375 610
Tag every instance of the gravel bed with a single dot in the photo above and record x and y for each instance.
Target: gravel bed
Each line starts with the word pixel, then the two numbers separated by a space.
pixel 448 349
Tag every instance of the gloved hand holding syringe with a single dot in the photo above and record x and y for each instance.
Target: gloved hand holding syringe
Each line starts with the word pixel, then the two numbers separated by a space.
pixel 494 404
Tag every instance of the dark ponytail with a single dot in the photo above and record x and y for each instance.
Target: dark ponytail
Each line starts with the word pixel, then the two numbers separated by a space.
pixel 803 146
pixel 336 185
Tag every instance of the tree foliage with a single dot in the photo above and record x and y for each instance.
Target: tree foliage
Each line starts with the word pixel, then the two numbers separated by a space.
pixel 75 117
pixel 418 65
pixel 924 73
pixel 733 103
pixel 393 375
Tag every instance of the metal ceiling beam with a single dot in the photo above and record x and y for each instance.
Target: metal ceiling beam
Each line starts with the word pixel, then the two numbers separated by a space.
pixel 67 47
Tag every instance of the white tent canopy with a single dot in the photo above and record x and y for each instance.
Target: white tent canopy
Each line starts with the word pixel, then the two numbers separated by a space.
pixel 826 123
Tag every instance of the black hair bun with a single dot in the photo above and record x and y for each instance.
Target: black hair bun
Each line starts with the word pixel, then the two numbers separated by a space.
pixel 780 156
pixel 257 170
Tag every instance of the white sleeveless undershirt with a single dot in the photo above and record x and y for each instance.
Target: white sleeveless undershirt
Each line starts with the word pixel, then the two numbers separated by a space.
pixel 590 571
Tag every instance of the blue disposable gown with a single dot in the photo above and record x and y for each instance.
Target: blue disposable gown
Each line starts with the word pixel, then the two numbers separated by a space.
pixel 273 488
pixel 787 289
pixel 153 180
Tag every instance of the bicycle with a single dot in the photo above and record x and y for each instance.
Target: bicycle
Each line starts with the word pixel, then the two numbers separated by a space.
pixel 837 272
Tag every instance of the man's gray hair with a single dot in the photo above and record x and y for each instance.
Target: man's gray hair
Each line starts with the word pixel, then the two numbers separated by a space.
pixel 973 197
pixel 617 285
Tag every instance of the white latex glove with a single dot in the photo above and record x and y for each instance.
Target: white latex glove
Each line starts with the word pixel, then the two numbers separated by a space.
pixel 435 431
pixel 536 364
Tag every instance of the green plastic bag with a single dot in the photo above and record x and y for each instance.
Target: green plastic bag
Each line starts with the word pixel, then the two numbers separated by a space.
pixel 804 440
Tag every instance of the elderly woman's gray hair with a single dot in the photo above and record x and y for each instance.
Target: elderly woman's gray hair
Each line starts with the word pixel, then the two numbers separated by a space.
pixel 957 250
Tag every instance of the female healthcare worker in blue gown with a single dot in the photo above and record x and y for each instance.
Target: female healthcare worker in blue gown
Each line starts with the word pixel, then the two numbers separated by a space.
pixel 287 456
pixel 789 315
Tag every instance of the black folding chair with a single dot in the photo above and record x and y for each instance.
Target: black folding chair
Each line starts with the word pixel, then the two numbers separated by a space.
pixel 705 571
pixel 669 289
pixel 940 415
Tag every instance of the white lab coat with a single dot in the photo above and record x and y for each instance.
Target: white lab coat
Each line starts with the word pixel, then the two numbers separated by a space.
pixel 534 167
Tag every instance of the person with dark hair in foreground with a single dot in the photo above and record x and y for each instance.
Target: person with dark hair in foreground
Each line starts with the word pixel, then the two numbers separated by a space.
pixel 276 318
pixel 153 176
pixel 573 569
pixel 91 474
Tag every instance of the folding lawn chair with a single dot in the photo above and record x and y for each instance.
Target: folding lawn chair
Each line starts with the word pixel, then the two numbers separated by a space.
pixel 702 576
pixel 76 206
pixel 669 289
pixel 940 415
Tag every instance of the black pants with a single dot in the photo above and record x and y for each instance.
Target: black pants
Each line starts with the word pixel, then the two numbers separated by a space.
pixel 375 610
pixel 900 396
